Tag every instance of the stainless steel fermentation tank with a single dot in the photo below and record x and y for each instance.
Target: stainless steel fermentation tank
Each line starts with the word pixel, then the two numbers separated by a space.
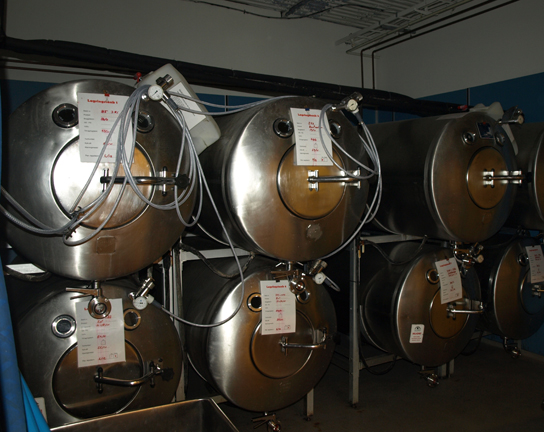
pixel 401 310
pixel 528 210
pixel 45 328
pixel 514 305
pixel 447 177
pixel 43 172
pixel 267 202
pixel 254 371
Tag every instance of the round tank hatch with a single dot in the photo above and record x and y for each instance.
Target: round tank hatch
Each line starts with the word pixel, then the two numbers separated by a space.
pixel 538 177
pixel 530 302
pixel 486 160
pixel 295 191
pixel 69 176
pixel 444 325
pixel 271 360
pixel 75 390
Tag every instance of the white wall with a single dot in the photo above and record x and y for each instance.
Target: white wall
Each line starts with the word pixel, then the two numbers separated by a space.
pixel 195 33
pixel 503 44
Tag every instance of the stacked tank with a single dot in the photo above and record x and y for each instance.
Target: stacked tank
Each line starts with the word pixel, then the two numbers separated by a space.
pixel 46 334
pixel 528 211
pixel 451 178
pixel 270 205
pixel 46 170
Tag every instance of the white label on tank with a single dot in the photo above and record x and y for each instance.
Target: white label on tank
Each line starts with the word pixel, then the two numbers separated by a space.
pixel 416 335
pixel 278 308
pixel 536 263
pixel 191 119
pixel 309 145
pixel 40 401
pixel 100 341
pixel 451 288
pixel 97 114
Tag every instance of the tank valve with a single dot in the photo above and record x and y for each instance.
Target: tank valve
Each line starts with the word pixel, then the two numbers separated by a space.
pixel 99 306
pixel 511 348
pixel 271 422
pixel 142 298
pixel 431 378
pixel 468 255
pixel 513 115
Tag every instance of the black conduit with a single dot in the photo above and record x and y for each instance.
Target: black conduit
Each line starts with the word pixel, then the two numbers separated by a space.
pixel 87 56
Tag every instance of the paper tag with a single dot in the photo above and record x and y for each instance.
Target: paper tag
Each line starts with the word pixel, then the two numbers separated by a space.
pixel 451 288
pixel 97 113
pixel 191 119
pixel 309 146
pixel 416 334
pixel 100 341
pixel 278 308
pixel 40 401
pixel 536 263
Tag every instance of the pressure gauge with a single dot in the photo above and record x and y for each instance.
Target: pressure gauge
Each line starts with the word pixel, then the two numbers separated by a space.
pixel 319 278
pixel 140 303
pixel 352 105
pixel 155 92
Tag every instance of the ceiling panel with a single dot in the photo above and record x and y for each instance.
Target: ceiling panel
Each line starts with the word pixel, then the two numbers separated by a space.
pixel 371 22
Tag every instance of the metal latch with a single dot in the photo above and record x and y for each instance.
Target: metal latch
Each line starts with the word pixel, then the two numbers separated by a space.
pixel 314 179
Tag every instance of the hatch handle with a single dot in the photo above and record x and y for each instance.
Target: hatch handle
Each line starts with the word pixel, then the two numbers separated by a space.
pixel 452 311
pixel 155 369
pixel 514 177
pixel 314 179
pixel 284 343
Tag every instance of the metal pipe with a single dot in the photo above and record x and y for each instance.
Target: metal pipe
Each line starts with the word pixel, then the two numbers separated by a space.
pixel 434 29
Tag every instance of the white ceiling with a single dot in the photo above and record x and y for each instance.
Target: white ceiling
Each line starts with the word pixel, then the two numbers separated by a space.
pixel 375 21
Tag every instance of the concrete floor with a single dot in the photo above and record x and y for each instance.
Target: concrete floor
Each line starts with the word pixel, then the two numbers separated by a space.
pixel 489 391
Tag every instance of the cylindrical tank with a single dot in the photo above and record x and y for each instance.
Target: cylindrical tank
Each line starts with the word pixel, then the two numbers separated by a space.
pixel 528 210
pixel 45 328
pixel 401 310
pixel 252 370
pixel 266 201
pixel 514 307
pixel 441 176
pixel 44 173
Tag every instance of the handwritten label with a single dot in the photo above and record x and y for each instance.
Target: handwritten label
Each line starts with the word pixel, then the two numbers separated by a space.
pixel 536 263
pixel 451 288
pixel 97 114
pixel 416 334
pixel 278 308
pixel 100 341
pixel 309 145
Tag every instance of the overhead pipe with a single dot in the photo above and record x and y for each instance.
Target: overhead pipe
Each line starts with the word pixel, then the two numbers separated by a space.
pixel 209 76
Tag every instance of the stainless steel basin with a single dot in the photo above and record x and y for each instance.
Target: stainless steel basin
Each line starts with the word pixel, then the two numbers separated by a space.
pixel 188 416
